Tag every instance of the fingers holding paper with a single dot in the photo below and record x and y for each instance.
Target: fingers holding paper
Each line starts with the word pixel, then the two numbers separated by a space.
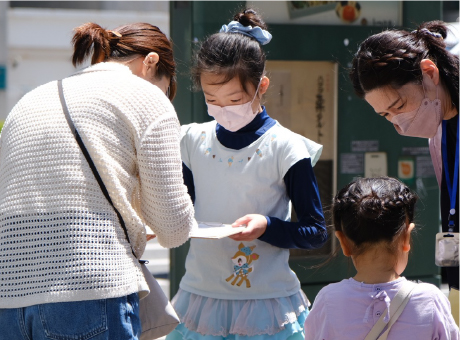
pixel 150 237
pixel 255 227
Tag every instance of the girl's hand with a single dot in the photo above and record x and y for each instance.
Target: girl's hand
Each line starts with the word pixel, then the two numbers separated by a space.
pixel 255 227
pixel 150 237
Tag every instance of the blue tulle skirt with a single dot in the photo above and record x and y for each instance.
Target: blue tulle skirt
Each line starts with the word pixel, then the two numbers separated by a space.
pixel 205 318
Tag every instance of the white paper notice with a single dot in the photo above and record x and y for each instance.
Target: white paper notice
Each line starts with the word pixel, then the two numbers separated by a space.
pixel 214 230
pixel 375 164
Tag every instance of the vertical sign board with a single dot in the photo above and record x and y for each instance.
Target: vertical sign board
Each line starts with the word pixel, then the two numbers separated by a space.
pixel 2 77
pixel 302 98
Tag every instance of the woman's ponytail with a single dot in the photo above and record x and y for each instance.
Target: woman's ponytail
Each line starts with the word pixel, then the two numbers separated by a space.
pixel 91 38
pixel 392 58
pixel 123 44
pixel 433 34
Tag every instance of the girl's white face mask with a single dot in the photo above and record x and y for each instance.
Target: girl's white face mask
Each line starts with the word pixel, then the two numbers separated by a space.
pixel 233 117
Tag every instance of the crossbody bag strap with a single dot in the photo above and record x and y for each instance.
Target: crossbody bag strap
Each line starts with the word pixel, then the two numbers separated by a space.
pixel 88 158
pixel 397 306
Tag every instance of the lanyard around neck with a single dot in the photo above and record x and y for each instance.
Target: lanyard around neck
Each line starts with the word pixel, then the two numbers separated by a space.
pixel 451 187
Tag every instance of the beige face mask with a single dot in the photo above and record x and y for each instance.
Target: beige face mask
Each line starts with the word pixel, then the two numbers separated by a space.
pixel 422 122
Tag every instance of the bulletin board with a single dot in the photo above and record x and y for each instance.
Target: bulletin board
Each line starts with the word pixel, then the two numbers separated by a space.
pixel 302 97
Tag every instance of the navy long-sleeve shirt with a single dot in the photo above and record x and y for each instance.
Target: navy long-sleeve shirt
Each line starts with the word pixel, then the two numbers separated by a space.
pixel 301 186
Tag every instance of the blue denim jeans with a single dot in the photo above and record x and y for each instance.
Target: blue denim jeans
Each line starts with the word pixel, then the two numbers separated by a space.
pixel 107 319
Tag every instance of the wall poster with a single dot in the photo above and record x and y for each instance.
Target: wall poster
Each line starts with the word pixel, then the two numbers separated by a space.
pixel 356 13
pixel 375 164
pixel 302 97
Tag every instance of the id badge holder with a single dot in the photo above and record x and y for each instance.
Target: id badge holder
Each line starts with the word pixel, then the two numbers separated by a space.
pixel 447 243
pixel 447 254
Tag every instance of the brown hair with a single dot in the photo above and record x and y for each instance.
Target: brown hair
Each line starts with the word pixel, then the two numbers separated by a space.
pixel 392 58
pixel 123 43
pixel 232 54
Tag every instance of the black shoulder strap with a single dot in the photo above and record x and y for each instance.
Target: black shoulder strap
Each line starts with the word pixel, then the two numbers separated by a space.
pixel 88 158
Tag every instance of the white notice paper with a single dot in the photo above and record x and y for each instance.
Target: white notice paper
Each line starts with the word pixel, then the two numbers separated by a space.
pixel 375 164
pixel 214 230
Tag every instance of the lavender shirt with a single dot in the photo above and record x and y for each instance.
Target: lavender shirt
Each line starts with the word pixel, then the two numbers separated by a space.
pixel 349 309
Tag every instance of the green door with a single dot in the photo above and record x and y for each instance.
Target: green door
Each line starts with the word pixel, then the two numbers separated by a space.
pixel 359 129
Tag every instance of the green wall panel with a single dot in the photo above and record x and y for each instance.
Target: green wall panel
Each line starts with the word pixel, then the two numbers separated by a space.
pixel 416 12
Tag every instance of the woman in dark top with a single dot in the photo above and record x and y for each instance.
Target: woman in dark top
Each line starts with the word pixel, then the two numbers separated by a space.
pixel 411 79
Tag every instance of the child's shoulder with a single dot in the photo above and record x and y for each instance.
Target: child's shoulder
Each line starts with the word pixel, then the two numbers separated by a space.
pixel 286 134
pixel 292 140
pixel 429 290
pixel 429 299
pixel 197 128
pixel 331 290
pixel 427 286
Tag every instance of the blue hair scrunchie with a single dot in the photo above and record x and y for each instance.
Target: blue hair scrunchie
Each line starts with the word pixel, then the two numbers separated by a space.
pixel 262 36
pixel 426 30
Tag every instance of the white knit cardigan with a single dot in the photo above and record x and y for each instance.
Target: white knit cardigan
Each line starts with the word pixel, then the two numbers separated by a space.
pixel 60 240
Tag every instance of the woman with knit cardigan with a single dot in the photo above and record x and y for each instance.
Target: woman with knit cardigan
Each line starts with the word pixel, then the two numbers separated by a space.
pixel 67 268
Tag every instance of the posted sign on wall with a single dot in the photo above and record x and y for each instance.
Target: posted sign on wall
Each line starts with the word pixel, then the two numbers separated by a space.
pixel 301 97
pixel 357 13
pixel 2 77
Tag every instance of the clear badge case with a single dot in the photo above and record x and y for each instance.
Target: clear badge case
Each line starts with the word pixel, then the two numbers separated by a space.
pixel 447 254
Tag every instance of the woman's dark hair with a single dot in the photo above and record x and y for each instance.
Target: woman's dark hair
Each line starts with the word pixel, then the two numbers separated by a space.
pixel 123 43
pixel 392 58
pixel 232 54
pixel 372 210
